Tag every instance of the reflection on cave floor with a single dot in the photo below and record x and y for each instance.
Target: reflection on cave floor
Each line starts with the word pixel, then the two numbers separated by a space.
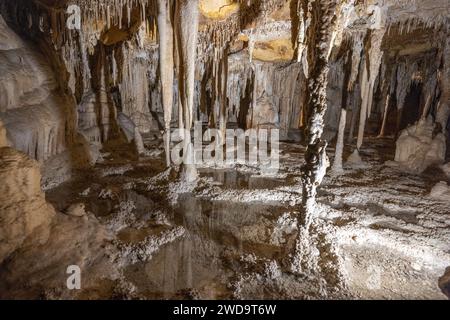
pixel 232 234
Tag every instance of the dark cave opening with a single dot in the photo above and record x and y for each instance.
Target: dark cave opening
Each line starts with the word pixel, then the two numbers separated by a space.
pixel 411 112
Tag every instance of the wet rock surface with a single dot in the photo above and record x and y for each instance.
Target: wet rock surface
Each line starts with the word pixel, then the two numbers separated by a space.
pixel 145 235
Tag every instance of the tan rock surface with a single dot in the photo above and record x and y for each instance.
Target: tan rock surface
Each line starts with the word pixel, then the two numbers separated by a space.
pixel 22 205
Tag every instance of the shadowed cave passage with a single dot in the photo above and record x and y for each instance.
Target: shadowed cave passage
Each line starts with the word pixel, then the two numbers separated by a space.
pixel 412 107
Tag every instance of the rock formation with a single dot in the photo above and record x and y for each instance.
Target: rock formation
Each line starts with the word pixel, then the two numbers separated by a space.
pixel 92 94
pixel 23 208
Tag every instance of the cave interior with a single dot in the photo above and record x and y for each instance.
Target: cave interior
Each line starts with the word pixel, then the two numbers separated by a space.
pixel 225 149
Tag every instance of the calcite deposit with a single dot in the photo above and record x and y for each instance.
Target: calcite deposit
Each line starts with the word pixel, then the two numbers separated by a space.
pixel 135 137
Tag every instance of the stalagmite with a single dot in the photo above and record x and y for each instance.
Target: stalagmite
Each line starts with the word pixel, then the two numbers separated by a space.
pixel 189 173
pixel 385 113
pixel 427 106
pixel 321 21
pixel 166 67
pixel 337 164
pixel 138 141
pixel 180 117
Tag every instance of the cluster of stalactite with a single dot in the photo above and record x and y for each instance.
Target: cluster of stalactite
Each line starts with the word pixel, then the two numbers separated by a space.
pixel 354 65
pixel 158 64
pixel 369 67
pixel 366 69
pixel 110 71
pixel 108 66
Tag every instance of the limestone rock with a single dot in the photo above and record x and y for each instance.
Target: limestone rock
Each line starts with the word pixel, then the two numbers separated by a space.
pixel 80 242
pixel 8 39
pixel 76 210
pixel 444 283
pixel 22 205
pixel 265 114
pixel 35 116
pixel 3 139
pixel 441 191
pixel 417 148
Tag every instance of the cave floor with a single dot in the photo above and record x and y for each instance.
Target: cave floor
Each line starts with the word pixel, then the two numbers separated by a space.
pixel 231 235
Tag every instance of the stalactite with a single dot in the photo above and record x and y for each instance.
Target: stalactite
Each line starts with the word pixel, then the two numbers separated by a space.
pixel 166 67
pixel 239 74
pixel 337 164
pixel 134 85
pixel 369 75
pixel 254 97
pixel 223 74
pixel 385 113
pixel 355 103
pixel 413 69
pixel 387 90
pixel 301 46
pixel 356 59
pixel 114 68
pixel 366 88
pixel 111 12
pixel 251 46
pixel 287 80
pixel 187 15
